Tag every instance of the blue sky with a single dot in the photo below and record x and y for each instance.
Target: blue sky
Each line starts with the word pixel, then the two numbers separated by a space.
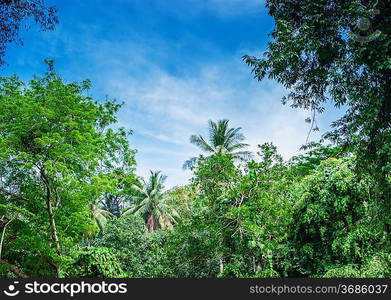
pixel 176 64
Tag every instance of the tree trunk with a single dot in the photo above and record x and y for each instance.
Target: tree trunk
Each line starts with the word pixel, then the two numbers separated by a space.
pixel 53 225
pixel 13 268
pixel 49 209
pixel 221 266
pixel 2 235
pixel 152 223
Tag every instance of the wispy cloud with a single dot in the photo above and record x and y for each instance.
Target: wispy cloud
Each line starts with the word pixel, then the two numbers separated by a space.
pixel 162 137
pixel 173 107
pixel 220 8
pixel 232 6
pixel 172 87
pixel 164 109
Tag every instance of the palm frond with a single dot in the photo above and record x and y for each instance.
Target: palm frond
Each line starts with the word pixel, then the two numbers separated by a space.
pixel 243 155
pixel 199 141
pixel 237 147
pixel 101 216
pixel 150 201
pixel 188 164
pixel 222 139
pixel 100 222
pixel 104 213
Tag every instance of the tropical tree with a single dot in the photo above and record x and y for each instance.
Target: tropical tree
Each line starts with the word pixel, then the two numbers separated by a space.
pixel 151 203
pixel 321 57
pixel 337 227
pixel 55 147
pixel 221 140
pixel 140 254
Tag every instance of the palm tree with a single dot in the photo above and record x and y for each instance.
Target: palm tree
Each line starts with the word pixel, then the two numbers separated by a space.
pixel 222 139
pixel 100 216
pixel 151 203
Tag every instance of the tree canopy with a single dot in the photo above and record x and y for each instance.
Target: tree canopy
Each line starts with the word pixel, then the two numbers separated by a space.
pixel 57 153
pixel 316 54
pixel 221 139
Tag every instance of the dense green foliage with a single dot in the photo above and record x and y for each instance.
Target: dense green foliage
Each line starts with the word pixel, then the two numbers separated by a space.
pixel 319 54
pixel 337 221
pixel 95 262
pixel 58 156
pixel 72 206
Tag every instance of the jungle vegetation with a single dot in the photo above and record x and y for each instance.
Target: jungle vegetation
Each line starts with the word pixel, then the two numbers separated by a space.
pixel 71 204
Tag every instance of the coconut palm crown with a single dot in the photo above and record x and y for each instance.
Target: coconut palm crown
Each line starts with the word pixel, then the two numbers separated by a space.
pixel 222 139
pixel 151 203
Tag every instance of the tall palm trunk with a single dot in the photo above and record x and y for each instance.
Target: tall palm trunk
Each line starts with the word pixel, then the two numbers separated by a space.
pixel 152 223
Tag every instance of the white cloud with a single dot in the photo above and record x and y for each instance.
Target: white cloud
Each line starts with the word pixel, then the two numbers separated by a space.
pixel 166 108
pixel 162 137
